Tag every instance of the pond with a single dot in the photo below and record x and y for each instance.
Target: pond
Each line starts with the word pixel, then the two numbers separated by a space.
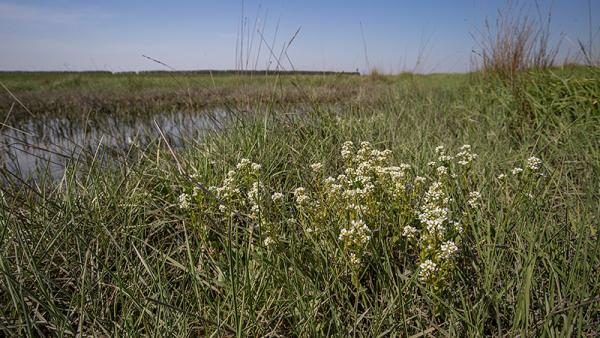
pixel 44 147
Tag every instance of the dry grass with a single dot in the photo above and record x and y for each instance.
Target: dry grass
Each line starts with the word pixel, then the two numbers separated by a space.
pixel 515 42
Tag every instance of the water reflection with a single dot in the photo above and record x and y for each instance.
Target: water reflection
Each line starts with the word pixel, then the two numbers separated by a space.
pixel 42 147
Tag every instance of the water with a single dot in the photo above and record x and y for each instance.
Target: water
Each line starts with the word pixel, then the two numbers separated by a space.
pixel 41 147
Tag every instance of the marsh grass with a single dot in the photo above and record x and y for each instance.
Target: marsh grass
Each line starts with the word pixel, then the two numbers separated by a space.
pixel 80 96
pixel 107 250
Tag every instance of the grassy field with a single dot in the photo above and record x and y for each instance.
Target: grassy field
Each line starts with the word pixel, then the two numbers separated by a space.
pixel 75 94
pixel 464 206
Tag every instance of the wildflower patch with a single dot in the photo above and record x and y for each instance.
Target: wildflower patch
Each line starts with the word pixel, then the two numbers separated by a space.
pixel 424 216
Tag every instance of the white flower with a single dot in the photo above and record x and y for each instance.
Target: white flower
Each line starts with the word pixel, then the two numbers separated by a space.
pixel 381 156
pixel 301 196
pixel 222 208
pixel 184 201
pixel 501 176
pixel 253 192
pixel 354 259
pixel 302 200
pixel 441 170
pixel 448 249
pixel 465 155
pixel 365 151
pixel 419 179
pixel 534 163
pixel 255 167
pixel 517 171
pixel 434 212
pixel 474 197
pixel 456 225
pixel 427 270
pixel 316 167
pixel 434 219
pixel 475 194
pixel 243 164
pixel 277 197
pixel 409 232
pixel 268 241
pixel 357 234
pixel 195 191
pixel 347 149
pixel 334 190
pixel 358 208
pixel 342 178
pixel 431 163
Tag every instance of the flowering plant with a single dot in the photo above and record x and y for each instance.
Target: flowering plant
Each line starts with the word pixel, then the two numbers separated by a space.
pixel 425 216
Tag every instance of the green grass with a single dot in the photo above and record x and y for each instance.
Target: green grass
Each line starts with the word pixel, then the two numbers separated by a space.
pixel 78 96
pixel 108 251
pixel 105 81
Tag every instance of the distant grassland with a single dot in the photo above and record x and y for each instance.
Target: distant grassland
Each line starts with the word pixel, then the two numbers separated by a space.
pixel 27 81
pixel 74 94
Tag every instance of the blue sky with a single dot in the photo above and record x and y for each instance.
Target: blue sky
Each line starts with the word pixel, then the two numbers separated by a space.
pixel 113 35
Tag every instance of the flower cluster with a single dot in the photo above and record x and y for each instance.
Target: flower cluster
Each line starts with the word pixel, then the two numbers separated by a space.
pixel 184 201
pixel 355 195
pixel 474 198
pixel 302 199
pixel 368 188
pixel 365 170
pixel 254 199
pixel 427 270
pixel 355 237
pixel 434 212
pixel 277 197
pixel 316 167
pixel 436 236
pixel 448 249
pixel 465 156
pixel 440 151
pixel 534 163
pixel 424 216
pixel 240 191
